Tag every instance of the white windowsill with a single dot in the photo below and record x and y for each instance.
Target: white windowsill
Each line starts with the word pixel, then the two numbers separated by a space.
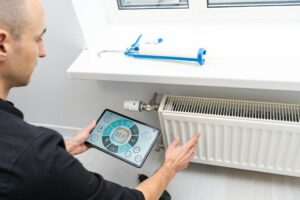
pixel 239 55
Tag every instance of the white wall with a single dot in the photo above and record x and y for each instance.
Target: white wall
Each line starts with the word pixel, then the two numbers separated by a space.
pixel 53 99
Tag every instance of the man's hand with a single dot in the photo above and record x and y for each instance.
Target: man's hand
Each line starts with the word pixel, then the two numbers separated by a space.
pixel 176 158
pixel 76 144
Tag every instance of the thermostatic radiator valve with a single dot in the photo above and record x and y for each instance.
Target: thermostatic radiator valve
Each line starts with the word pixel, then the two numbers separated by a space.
pixel 139 106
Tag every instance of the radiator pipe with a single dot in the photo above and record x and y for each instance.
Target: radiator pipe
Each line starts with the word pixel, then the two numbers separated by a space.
pixel 139 106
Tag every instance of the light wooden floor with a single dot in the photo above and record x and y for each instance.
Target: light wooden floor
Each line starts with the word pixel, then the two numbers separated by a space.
pixel 201 182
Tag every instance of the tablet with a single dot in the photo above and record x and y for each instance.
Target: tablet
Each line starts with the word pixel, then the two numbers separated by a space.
pixel 124 138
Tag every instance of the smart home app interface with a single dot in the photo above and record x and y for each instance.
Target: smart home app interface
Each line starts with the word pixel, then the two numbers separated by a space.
pixel 123 138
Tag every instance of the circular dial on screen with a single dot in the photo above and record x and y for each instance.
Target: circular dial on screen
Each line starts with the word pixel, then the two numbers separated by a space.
pixel 120 136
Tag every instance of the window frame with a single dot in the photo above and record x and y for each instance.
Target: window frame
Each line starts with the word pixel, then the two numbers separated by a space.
pixel 251 4
pixel 150 7
pixel 199 11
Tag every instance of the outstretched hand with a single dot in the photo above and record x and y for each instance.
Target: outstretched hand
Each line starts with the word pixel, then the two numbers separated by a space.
pixel 76 144
pixel 178 157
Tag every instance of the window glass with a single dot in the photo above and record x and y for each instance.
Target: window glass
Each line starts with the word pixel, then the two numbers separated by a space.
pixel 144 4
pixel 239 3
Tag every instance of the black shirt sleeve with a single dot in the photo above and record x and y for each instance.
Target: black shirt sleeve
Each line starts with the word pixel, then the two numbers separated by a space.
pixel 47 171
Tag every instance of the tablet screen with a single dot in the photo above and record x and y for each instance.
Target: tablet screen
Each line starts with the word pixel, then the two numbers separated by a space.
pixel 123 137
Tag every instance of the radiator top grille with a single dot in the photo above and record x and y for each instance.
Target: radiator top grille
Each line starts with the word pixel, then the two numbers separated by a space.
pixel 233 108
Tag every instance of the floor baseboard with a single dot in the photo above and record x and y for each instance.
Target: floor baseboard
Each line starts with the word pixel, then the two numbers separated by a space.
pixel 65 131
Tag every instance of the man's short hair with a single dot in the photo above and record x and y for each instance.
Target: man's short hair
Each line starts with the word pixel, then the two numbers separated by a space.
pixel 13 16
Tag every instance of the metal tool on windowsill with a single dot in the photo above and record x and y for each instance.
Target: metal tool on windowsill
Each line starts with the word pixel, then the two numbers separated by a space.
pixel 157 49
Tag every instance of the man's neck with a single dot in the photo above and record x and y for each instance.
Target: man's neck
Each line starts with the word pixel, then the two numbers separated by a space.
pixel 3 91
pixel 3 95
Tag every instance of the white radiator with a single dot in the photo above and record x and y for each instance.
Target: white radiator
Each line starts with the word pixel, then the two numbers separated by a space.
pixel 249 135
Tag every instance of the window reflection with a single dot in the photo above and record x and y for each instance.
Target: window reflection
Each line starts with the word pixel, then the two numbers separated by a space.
pixel 144 4
pixel 244 3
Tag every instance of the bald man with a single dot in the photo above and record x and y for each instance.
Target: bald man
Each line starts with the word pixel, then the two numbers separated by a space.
pixel 35 162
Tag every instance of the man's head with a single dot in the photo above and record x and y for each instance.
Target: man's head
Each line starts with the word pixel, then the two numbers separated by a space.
pixel 13 15
pixel 21 30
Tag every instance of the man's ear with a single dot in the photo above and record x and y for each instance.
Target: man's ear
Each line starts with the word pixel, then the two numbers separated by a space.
pixel 3 44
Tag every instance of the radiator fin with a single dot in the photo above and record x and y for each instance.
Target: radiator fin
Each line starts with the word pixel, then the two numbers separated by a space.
pixel 234 108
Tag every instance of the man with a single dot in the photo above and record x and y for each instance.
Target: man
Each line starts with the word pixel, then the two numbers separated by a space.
pixel 35 162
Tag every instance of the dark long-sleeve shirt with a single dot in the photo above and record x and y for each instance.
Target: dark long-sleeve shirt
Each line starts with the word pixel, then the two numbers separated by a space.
pixel 34 165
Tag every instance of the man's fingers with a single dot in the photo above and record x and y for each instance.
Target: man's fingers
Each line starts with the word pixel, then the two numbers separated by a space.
pixel 194 139
pixel 192 142
pixel 91 126
pixel 192 151
pixel 175 142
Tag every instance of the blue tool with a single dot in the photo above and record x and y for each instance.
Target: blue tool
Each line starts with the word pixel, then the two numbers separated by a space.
pixel 136 50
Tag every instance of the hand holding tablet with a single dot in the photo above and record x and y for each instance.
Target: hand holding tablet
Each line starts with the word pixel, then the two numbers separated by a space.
pixel 124 138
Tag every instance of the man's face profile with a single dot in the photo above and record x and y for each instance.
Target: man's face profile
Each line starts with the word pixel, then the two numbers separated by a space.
pixel 20 54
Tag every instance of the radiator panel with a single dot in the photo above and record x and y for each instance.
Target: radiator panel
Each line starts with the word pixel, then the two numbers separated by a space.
pixel 269 142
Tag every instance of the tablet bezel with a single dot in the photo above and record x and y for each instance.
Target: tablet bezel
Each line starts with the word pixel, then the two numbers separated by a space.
pixel 116 156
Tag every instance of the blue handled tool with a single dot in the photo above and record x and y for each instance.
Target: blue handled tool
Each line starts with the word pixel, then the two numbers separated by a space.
pixel 137 50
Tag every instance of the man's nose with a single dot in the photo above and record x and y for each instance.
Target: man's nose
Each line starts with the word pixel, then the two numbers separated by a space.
pixel 42 50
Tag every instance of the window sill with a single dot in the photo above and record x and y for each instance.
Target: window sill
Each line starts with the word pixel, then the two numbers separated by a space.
pixel 258 56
